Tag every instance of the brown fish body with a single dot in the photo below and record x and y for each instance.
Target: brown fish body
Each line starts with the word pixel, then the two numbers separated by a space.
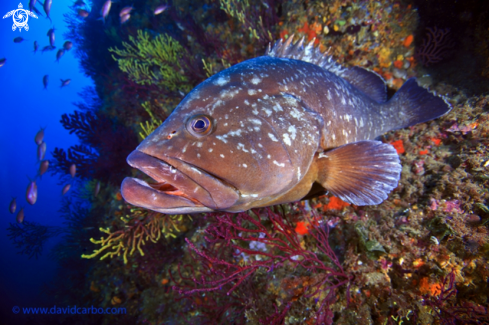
pixel 264 131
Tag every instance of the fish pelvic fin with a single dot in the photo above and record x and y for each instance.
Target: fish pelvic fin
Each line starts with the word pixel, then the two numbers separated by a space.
pixel 360 173
pixel 413 104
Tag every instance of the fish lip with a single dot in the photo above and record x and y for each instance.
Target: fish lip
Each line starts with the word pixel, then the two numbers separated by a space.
pixel 195 184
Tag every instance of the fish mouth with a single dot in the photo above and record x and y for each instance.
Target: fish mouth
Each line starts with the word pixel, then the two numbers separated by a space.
pixel 179 187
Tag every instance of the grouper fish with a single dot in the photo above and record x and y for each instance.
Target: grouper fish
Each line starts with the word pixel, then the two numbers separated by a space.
pixel 274 129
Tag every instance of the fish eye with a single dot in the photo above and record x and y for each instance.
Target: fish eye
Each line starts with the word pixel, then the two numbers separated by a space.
pixel 199 125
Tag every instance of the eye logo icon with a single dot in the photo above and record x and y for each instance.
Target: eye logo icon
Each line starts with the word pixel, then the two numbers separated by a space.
pixel 20 17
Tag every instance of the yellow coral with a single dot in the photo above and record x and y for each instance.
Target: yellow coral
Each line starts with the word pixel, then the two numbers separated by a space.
pixel 153 61
pixel 138 229
pixel 149 126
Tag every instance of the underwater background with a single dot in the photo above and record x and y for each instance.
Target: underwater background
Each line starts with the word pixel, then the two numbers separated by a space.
pixel 87 257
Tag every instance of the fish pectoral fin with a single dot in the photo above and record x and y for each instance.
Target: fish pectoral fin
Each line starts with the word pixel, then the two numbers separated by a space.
pixel 361 173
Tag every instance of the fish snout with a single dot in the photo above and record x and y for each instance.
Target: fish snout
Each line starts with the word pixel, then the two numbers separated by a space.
pixel 179 187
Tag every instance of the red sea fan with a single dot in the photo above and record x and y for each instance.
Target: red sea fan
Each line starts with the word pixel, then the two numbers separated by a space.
pixel 273 243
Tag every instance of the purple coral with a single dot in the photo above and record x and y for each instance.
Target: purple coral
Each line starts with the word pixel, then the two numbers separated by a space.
pixel 435 46
pixel 229 235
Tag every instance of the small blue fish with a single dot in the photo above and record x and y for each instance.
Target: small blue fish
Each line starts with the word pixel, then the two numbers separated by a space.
pixel 36 46
pixel 51 36
pixel 45 81
pixel 105 9
pixel 32 4
pixel 125 11
pixel 73 170
pixel 48 48
pixel 18 39
pixel 68 45
pixel 41 151
pixel 83 13
pixel 43 167
pixel 275 129
pixel 47 8
pixel 64 83
pixel 65 189
pixel 20 216
pixel 125 18
pixel 2 62
pixel 160 9
pixel 38 139
pixel 31 193
pixel 13 206
pixel 59 55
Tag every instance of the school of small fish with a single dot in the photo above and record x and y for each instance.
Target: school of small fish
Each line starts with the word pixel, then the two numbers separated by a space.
pixel 83 11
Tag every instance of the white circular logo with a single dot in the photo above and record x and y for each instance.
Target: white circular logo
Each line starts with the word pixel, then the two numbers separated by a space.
pixel 20 17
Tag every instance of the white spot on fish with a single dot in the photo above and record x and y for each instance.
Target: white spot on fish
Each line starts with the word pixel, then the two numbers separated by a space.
pixel 236 133
pixel 277 108
pixel 292 131
pixel 271 136
pixel 222 156
pixel 210 150
pixel 245 165
pixel 222 138
pixel 255 80
pixel 279 164
pixel 287 139
pixel 255 121
pixel 251 92
pixel 267 111
pixel 222 80
pixel 199 144
pixel 242 147
pixel 185 148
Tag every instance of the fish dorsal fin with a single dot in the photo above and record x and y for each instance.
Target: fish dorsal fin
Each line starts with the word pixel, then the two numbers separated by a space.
pixel 368 82
pixel 361 173
pixel 307 53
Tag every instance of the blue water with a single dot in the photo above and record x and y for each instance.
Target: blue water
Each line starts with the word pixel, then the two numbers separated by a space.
pixel 25 107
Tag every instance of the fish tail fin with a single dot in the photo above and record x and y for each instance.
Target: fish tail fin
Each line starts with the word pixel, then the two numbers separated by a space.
pixel 413 104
